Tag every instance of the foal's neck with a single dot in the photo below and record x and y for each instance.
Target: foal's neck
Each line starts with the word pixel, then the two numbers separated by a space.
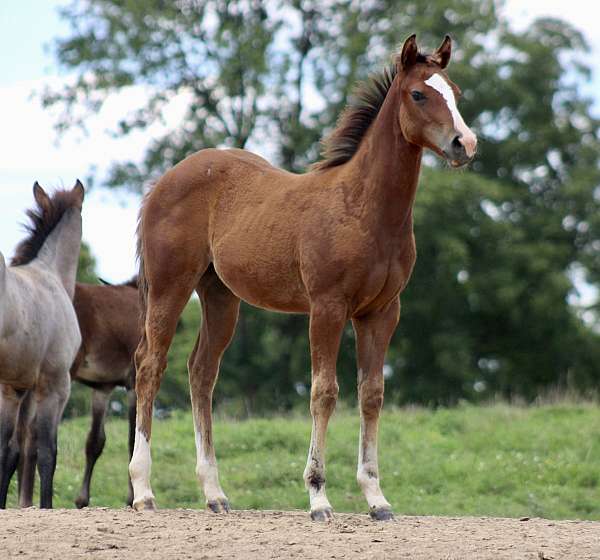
pixel 388 167
pixel 60 251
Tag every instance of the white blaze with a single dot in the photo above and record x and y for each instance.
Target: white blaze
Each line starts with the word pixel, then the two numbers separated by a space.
pixel 468 140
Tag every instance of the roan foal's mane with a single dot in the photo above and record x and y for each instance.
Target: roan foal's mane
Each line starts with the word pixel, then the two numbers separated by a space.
pixel 42 224
pixel 354 121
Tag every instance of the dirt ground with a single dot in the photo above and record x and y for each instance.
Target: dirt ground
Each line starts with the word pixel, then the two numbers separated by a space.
pixel 106 533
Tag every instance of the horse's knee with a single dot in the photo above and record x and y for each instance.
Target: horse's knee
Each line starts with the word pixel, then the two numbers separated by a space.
pixel 371 398
pixel 324 396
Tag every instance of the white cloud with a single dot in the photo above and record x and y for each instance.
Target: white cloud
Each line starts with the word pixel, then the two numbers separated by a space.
pixel 29 151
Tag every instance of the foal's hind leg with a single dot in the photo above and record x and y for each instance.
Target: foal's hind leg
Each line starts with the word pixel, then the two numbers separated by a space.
pixel 51 397
pixel 219 317
pixel 28 446
pixel 373 333
pixel 9 450
pixel 164 307
pixel 327 321
pixel 95 442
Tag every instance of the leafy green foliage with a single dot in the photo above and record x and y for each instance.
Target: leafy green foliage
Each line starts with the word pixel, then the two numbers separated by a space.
pixel 86 267
pixel 500 460
pixel 487 310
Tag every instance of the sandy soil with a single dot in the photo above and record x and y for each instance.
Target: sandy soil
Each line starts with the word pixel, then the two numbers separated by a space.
pixel 105 533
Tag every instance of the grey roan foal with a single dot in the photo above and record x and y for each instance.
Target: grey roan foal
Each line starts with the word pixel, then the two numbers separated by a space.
pixel 39 339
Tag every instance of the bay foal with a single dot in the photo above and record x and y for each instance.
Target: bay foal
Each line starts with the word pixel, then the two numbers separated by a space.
pixel 108 318
pixel 39 338
pixel 336 243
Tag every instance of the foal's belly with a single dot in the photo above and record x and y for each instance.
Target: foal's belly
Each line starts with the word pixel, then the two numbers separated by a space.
pixel 94 370
pixel 267 278
pixel 265 283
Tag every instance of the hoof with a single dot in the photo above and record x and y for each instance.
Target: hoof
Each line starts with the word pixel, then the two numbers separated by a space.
pixel 147 504
pixel 220 505
pixel 81 502
pixel 322 514
pixel 381 514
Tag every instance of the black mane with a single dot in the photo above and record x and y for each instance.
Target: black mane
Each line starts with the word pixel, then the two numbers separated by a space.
pixel 43 220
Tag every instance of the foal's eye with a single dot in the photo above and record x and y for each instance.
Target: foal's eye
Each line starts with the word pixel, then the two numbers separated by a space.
pixel 417 95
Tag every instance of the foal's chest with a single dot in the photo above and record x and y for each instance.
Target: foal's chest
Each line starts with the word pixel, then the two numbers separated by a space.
pixel 387 278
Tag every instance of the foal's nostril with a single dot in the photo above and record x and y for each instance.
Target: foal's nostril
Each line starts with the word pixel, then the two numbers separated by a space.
pixel 456 143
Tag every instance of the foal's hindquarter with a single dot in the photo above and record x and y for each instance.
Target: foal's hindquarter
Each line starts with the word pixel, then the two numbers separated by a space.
pixel 336 244
pixel 39 338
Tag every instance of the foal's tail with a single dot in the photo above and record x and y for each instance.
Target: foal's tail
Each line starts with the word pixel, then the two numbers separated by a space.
pixel 142 281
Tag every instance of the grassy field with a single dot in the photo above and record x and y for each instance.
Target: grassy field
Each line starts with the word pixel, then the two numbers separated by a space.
pixel 494 461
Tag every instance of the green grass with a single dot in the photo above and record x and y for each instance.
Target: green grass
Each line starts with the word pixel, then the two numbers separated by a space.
pixel 497 460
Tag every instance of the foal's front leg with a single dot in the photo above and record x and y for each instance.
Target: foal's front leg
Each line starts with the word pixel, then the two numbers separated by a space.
pixel 373 334
pixel 50 405
pixel 28 445
pixel 326 325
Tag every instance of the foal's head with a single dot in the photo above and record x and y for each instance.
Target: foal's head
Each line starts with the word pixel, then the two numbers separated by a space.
pixel 428 113
pixel 44 218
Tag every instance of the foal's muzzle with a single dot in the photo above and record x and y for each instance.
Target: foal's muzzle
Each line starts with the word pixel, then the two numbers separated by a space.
pixel 461 150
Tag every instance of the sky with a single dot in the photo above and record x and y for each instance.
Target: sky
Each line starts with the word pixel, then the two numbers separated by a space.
pixel 29 149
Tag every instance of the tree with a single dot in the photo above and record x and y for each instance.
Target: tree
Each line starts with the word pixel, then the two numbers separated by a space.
pixel 212 52
pixel 487 309
pixel 86 267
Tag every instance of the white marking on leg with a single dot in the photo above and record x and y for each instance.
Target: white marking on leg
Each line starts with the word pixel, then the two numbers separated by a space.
pixel 139 471
pixel 368 470
pixel 207 471
pixel 314 474
pixel 468 139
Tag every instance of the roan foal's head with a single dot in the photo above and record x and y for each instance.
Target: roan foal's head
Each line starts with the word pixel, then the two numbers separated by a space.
pixel 428 113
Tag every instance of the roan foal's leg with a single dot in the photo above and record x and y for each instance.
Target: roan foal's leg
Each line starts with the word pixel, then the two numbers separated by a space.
pixel 51 397
pixel 373 333
pixel 219 317
pixel 28 444
pixel 9 449
pixel 325 331
pixel 163 310
pixel 95 442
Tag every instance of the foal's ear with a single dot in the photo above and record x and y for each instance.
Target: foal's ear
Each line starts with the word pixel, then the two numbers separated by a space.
pixel 409 54
pixel 79 192
pixel 40 196
pixel 442 55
